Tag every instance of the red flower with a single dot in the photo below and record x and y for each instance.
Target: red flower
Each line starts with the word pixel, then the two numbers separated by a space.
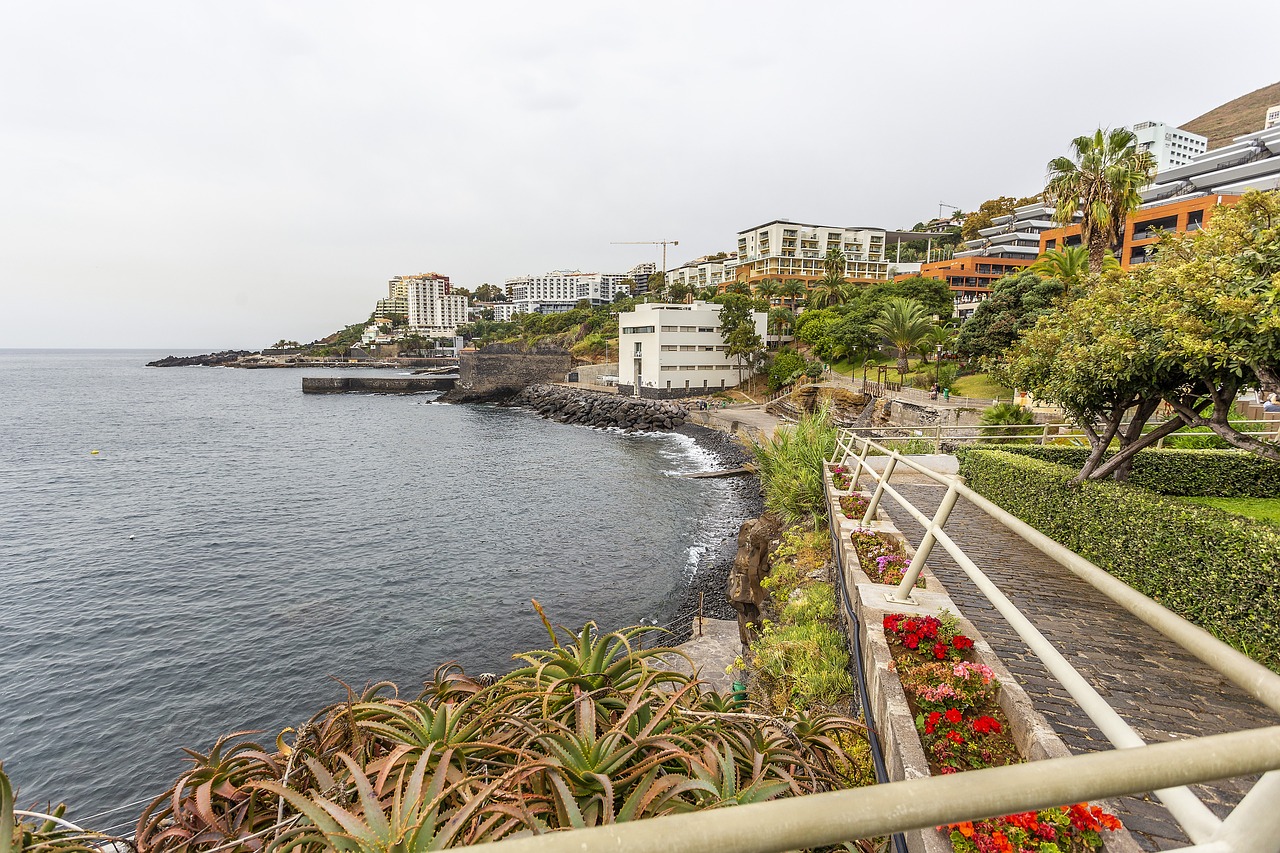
pixel 985 724
pixel 940 651
pixel 955 737
pixel 961 642
pixel 932 722
pixel 911 641
pixel 891 622
pixel 953 715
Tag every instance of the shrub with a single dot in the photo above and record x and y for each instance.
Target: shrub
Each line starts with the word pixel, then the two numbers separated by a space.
pixel 1215 569
pixel 791 467
pixel 1188 473
pixel 996 418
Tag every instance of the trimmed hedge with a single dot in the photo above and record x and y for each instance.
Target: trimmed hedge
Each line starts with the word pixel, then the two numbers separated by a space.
pixel 1187 473
pixel 1218 570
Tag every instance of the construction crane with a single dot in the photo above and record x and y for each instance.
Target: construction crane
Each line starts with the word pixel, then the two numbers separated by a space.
pixel 662 243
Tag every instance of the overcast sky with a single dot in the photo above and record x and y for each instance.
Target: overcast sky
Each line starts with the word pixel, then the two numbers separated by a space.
pixel 223 174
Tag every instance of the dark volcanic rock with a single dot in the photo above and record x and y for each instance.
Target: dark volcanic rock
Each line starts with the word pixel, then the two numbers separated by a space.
pixel 208 360
pixel 594 409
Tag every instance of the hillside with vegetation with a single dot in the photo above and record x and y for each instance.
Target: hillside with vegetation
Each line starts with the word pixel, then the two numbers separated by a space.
pixel 1245 114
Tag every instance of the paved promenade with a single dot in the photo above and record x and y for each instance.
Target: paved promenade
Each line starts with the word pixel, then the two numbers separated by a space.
pixel 1160 690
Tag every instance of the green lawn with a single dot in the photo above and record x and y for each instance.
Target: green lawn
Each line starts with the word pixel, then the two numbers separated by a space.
pixel 980 385
pixel 1263 509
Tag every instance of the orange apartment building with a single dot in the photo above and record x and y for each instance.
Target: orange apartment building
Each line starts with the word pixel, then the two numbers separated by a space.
pixel 970 278
pixel 1142 228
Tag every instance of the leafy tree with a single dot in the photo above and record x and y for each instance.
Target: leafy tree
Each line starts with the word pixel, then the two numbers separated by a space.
pixel 679 291
pixel 658 284
pixel 905 324
pixel 1102 183
pixel 1191 329
pixel 932 293
pixel 738 330
pixel 785 364
pixel 1017 302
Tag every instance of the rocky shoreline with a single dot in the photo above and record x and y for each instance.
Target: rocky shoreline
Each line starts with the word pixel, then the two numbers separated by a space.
pixel 597 409
pixel 712 578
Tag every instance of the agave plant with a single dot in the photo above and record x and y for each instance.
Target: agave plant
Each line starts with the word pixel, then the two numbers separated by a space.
pixel 592 730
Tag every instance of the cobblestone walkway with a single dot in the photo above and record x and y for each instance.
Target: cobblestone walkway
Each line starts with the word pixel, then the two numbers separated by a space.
pixel 1159 689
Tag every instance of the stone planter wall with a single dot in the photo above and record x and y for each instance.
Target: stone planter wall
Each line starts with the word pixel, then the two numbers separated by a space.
pixel 903 751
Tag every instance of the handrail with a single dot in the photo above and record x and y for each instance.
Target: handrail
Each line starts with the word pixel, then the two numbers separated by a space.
pixel 1201 825
pixel 836 816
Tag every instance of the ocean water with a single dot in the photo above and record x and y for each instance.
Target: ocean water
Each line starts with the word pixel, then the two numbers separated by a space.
pixel 236 549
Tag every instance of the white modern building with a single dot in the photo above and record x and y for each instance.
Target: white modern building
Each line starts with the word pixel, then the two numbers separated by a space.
pixel 432 306
pixel 783 249
pixel 1170 146
pixel 674 350
pixel 1273 117
pixel 560 290
pixel 707 271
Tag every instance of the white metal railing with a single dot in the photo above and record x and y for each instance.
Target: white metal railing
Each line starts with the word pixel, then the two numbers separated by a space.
pixel 1200 824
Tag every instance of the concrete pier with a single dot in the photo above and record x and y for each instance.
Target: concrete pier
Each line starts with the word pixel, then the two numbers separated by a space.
pixel 376 384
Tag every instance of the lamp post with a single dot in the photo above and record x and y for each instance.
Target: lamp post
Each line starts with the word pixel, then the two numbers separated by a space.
pixel 937 367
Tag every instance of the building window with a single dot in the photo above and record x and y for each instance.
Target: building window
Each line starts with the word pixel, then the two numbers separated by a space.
pixel 705 329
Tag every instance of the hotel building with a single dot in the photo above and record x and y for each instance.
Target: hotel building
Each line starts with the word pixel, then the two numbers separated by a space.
pixel 432 306
pixel 783 250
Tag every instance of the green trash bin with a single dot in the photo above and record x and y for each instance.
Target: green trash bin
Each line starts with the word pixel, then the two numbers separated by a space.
pixel 739 694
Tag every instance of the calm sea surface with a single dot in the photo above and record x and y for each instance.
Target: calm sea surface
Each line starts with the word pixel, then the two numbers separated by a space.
pixel 235 546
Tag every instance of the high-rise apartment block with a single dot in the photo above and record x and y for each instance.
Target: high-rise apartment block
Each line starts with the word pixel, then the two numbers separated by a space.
pixel 430 303
pixel 1170 146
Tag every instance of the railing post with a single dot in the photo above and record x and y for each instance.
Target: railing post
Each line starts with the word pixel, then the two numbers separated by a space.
pixel 875 496
pixel 1044 436
pixel 862 462
pixel 903 594
pixel 937 437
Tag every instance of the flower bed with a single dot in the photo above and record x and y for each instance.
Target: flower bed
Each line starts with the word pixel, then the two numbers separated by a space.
pixel 881 558
pixel 854 506
pixel 963 728
pixel 840 477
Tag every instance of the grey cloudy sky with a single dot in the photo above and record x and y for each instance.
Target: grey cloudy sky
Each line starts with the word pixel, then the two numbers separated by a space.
pixel 223 174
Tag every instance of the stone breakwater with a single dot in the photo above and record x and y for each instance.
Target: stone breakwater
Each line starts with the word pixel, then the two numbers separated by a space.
pixel 590 408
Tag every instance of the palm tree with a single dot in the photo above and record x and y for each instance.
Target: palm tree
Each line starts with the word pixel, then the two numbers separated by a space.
pixel 831 289
pixel 739 287
pixel 1069 265
pixel 780 319
pixel 1102 182
pixel 707 294
pixel 793 290
pixel 905 323
pixel 828 291
pixel 767 289
pixel 679 291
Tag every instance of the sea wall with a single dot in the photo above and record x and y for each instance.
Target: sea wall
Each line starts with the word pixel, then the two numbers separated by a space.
pixel 597 409
pixel 500 371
